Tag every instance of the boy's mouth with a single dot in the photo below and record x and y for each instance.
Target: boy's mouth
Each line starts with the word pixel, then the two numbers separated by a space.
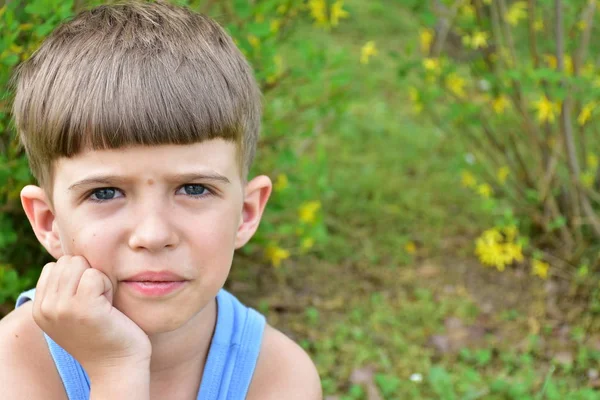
pixel 154 288
pixel 155 277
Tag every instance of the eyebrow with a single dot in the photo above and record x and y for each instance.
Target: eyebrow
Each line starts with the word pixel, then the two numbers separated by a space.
pixel 112 180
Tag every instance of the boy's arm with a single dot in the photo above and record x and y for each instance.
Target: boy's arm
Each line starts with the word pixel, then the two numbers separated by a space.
pixel 284 371
pixel 128 383
pixel 27 371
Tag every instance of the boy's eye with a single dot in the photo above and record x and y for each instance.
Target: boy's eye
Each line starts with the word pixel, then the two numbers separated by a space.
pixel 105 194
pixel 193 190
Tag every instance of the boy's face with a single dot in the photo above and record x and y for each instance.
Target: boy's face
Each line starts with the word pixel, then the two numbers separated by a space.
pixel 181 209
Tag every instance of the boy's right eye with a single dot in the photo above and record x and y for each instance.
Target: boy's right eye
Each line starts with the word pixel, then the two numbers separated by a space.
pixel 105 194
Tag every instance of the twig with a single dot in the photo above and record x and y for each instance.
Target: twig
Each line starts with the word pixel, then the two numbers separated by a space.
pixel 532 36
pixel 446 16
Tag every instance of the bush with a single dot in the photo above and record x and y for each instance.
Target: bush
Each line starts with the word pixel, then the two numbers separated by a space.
pixel 514 82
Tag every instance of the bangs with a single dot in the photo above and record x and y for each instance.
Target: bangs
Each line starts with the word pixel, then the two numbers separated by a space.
pixel 123 102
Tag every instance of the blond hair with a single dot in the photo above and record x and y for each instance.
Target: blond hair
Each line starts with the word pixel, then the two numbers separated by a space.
pixel 134 74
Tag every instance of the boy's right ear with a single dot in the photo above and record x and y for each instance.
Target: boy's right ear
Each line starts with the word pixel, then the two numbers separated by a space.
pixel 41 216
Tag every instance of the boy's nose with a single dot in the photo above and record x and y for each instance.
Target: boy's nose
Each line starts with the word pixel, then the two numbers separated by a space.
pixel 153 232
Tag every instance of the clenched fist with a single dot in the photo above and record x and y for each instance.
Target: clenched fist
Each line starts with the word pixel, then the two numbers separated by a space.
pixel 73 305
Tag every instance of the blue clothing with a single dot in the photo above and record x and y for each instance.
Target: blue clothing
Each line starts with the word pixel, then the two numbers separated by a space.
pixel 231 358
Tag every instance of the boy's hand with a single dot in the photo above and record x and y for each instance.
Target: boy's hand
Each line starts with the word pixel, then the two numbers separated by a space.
pixel 73 305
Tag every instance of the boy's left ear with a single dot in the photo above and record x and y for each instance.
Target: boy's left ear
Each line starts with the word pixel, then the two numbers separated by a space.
pixel 257 193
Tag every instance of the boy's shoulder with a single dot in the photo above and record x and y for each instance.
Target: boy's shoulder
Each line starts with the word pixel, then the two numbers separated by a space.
pixel 283 370
pixel 25 358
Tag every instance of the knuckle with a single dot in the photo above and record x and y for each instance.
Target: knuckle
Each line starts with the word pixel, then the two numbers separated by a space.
pixel 46 310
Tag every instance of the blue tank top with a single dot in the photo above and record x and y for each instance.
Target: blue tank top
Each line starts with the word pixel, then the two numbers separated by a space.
pixel 231 358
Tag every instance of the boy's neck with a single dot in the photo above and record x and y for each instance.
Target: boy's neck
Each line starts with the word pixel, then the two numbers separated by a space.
pixel 184 350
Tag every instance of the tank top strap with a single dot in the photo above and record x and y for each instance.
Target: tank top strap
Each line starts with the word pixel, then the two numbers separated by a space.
pixel 73 376
pixel 234 350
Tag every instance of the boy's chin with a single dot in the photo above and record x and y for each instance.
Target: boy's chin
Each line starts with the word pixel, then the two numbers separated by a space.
pixel 154 323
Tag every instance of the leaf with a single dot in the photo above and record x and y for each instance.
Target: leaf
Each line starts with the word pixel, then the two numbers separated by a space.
pixel 10 60
pixel 441 383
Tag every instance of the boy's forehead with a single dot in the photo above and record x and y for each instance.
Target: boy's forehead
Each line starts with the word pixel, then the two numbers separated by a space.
pixel 216 155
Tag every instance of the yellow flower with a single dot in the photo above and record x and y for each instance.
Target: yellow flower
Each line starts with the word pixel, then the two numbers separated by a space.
pixel 588 69
pixel 276 254
pixel 432 65
pixel 586 113
pixel 546 109
pixel 592 160
pixel 456 85
pixel 568 64
pixel 367 51
pixel 514 252
pixel 307 243
pixel 308 211
pixel 587 179
pixel 318 10
pixel 550 60
pixel 26 27
pixel 502 174
pixel 492 235
pixel 338 12
pixel 278 62
pixel 275 25
pixel 500 104
pixel 426 39
pixel 516 13
pixel 484 190
pixel 478 40
pixel 282 9
pixel 467 11
pixel 410 248
pixel 413 94
pixel 281 183
pixel 254 41
pixel 489 251
pixel 493 249
pixel 540 269
pixel 468 180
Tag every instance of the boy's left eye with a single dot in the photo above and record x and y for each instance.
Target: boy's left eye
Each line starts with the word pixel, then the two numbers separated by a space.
pixel 193 189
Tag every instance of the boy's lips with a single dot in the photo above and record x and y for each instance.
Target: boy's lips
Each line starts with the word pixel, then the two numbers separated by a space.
pixel 149 276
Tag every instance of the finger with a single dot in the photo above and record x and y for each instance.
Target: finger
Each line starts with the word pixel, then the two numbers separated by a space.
pixel 71 276
pixel 42 282
pixel 94 284
pixel 40 289
pixel 53 280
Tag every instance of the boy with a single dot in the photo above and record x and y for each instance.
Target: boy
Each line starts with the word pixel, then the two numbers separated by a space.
pixel 140 122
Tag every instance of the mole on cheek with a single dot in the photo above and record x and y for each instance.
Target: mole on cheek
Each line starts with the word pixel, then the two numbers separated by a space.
pixel 150 182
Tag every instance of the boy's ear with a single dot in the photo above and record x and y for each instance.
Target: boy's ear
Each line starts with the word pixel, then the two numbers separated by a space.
pixel 39 212
pixel 257 193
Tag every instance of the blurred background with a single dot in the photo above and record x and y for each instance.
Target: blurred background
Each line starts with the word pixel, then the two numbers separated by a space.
pixel 433 231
